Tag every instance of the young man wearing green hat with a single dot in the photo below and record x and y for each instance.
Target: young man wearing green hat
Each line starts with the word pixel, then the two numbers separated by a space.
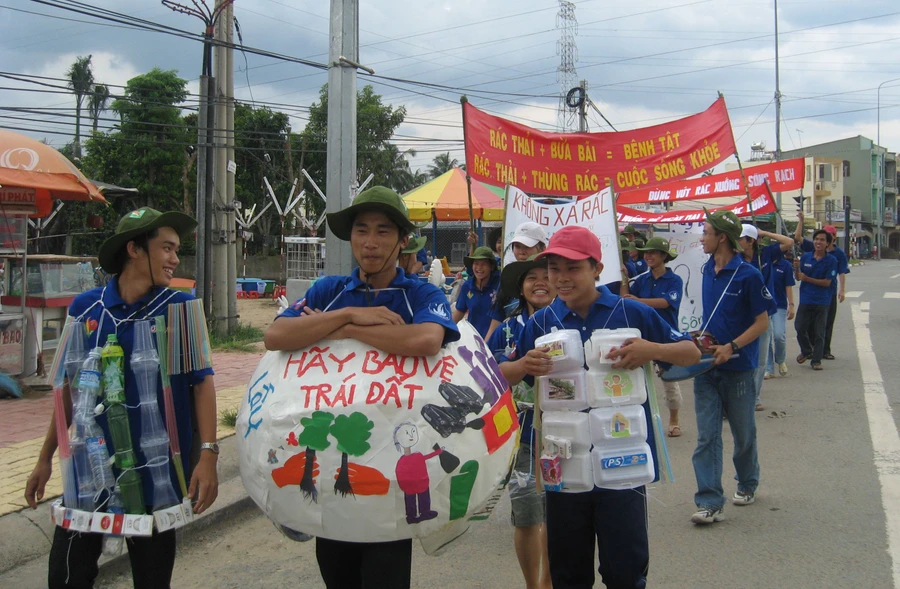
pixel 383 307
pixel 736 308
pixel 409 259
pixel 661 289
pixel 142 256
pixel 477 294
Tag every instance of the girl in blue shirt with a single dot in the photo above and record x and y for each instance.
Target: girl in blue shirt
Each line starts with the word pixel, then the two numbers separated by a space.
pixel 477 294
pixel 528 283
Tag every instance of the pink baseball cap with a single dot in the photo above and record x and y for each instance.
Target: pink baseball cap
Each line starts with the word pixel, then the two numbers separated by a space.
pixel 830 229
pixel 573 243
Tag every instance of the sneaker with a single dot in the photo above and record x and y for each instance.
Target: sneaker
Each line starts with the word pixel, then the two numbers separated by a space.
pixel 782 369
pixel 741 498
pixel 708 515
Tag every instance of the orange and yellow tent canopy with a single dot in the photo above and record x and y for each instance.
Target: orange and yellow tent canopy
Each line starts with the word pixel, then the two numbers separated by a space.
pixel 447 195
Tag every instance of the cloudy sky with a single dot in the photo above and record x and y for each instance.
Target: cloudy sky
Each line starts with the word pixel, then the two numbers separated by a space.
pixel 645 62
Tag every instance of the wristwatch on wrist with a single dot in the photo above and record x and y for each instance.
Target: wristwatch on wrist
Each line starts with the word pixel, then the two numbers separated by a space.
pixel 211 446
pixel 734 346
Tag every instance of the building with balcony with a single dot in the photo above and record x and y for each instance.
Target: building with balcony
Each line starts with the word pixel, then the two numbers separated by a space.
pixel 869 175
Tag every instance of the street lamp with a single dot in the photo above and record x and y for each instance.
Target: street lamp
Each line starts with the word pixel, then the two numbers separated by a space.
pixel 881 194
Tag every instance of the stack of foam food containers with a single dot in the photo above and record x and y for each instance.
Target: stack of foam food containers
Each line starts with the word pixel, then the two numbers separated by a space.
pixel 565 429
pixel 621 457
pixel 607 445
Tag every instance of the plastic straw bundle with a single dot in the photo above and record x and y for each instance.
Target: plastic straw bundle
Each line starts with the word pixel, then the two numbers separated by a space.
pixel 171 423
pixel 662 450
pixel 57 378
pixel 189 347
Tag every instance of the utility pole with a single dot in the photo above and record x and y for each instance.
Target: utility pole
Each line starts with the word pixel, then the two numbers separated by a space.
pixel 231 213
pixel 582 111
pixel 778 228
pixel 341 181
pixel 223 237
pixel 205 138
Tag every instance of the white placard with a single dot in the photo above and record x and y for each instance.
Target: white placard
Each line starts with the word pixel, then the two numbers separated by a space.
pixel 685 240
pixel 595 212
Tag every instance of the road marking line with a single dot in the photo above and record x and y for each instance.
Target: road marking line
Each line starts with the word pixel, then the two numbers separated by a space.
pixel 896 276
pixel 891 295
pixel 864 306
pixel 853 294
pixel 885 439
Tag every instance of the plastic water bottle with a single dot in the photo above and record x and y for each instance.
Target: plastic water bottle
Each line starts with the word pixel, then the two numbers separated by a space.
pixel 89 451
pixel 113 543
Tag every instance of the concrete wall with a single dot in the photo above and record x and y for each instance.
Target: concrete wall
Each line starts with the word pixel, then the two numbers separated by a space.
pixel 265 267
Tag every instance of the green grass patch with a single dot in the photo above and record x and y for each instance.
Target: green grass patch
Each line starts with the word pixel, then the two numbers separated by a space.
pixel 243 339
pixel 228 417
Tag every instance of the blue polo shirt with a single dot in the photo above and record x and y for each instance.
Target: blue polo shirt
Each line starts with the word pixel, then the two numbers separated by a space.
pixel 85 309
pixel 632 270
pixel 422 256
pixel 764 261
pixel 783 273
pixel 609 312
pixel 843 264
pixel 810 294
pixel 414 300
pixel 640 266
pixel 668 287
pixel 478 301
pixel 502 345
pixel 739 286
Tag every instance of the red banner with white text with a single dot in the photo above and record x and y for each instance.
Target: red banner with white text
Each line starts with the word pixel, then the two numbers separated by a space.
pixel 762 205
pixel 781 176
pixel 501 152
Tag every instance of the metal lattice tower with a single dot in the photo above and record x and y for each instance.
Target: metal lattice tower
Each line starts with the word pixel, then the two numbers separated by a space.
pixel 566 74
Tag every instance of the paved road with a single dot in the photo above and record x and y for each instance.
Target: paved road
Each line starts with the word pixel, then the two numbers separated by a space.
pixel 819 521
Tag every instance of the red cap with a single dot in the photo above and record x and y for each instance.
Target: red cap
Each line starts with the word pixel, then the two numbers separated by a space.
pixel 830 229
pixel 573 243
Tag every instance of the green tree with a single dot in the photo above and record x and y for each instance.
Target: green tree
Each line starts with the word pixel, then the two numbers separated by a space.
pixel 80 80
pixel 97 103
pixel 352 433
pixel 315 437
pixel 376 123
pixel 441 164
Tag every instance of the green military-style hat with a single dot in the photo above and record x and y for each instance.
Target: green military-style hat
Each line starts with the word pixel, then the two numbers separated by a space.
pixel 136 223
pixel 659 244
pixel 728 223
pixel 625 245
pixel 513 273
pixel 377 198
pixel 481 253
pixel 414 245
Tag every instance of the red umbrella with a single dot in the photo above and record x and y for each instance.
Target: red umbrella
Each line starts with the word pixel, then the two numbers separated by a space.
pixel 34 174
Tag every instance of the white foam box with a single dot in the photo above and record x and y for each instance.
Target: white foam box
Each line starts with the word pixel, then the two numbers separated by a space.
pixel 618 426
pixel 563 392
pixel 614 387
pixel 622 468
pixel 577 474
pixel 566 349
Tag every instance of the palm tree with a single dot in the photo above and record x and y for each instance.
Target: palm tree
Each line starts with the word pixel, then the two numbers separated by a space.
pixel 442 163
pixel 81 80
pixel 97 102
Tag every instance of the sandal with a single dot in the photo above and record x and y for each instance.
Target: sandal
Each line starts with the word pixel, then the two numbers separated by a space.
pixel 674 431
pixel 828 356
pixel 817 366
pixel 759 407
pixel 802 358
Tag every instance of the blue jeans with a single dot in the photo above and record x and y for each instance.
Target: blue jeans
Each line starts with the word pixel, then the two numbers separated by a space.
pixel 765 344
pixel 778 354
pixel 731 391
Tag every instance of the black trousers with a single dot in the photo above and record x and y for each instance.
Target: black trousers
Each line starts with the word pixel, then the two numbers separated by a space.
pixel 74 556
pixel 829 326
pixel 810 325
pixel 364 565
pixel 617 519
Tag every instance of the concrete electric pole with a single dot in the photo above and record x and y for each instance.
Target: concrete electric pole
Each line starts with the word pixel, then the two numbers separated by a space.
pixel 341 180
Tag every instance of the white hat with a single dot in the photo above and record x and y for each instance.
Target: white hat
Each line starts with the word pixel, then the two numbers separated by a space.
pixel 529 235
pixel 750 231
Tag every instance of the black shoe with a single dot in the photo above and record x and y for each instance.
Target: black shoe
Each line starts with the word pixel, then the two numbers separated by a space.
pixel 828 356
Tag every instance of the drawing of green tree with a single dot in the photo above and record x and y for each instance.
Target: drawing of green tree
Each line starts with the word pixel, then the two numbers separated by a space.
pixel 315 437
pixel 351 432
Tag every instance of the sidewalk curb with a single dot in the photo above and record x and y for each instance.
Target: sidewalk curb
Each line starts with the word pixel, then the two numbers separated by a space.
pixel 33 530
